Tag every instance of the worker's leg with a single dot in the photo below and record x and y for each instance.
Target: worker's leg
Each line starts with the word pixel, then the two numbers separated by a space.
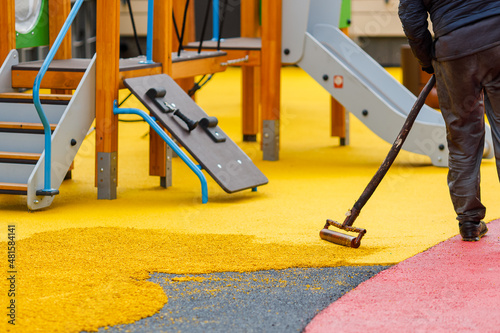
pixel 492 100
pixel 461 102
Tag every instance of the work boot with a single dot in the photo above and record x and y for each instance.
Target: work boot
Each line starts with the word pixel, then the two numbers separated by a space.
pixel 472 231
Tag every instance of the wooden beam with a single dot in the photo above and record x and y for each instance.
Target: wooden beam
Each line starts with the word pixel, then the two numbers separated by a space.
pixel 107 83
pixel 162 34
pixel 162 53
pixel 107 74
pixel 271 59
pixel 249 13
pixel 58 13
pixel 250 72
pixel 270 78
pixel 250 102
pixel 7 28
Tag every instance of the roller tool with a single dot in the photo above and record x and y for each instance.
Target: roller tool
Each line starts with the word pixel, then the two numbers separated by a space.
pixel 355 241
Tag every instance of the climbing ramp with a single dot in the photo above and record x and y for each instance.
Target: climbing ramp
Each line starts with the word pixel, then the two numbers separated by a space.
pixel 197 132
pixel 313 41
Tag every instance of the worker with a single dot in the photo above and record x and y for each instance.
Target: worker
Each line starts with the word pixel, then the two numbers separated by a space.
pixel 464 54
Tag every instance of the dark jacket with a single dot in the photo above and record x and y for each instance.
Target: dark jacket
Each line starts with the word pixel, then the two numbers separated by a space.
pixel 446 16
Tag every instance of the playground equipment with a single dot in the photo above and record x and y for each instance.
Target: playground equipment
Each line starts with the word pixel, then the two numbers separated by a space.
pixel 308 34
pixel 313 41
pixel 353 213
pixel 37 150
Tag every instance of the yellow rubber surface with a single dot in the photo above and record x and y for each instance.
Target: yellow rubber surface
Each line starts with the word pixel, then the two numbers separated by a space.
pixel 82 263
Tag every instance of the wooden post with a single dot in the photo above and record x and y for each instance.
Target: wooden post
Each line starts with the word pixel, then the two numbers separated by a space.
pixel 270 78
pixel 107 83
pixel 250 26
pixel 7 28
pixel 162 53
pixel 340 116
pixel 250 75
pixel 189 35
pixel 58 13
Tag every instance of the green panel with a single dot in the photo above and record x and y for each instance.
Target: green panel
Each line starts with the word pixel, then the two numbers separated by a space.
pixel 39 35
pixel 345 14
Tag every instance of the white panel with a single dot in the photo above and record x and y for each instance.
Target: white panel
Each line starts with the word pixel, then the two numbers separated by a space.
pixel 74 124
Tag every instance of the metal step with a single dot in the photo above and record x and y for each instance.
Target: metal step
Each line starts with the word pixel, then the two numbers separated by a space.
pixel 26 112
pixel 15 173
pixel 21 142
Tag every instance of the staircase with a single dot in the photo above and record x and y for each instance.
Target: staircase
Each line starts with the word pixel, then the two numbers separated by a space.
pixel 22 151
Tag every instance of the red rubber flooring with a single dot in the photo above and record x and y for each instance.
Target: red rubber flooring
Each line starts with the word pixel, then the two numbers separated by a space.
pixel 452 287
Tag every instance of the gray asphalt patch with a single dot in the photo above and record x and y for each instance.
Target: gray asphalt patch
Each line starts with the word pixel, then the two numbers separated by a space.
pixel 264 301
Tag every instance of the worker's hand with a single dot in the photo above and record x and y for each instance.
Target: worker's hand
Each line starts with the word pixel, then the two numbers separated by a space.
pixel 429 69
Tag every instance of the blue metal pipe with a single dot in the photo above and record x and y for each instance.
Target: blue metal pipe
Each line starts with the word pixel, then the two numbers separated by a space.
pixel 216 19
pixel 36 96
pixel 171 143
pixel 149 50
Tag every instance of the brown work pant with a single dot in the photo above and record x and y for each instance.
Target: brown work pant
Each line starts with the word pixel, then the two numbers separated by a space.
pixel 466 88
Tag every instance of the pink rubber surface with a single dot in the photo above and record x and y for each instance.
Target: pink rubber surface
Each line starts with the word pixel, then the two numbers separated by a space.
pixel 452 287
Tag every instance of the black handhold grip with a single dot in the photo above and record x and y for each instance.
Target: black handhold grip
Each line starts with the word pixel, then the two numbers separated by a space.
pixel 208 122
pixel 191 124
pixel 156 93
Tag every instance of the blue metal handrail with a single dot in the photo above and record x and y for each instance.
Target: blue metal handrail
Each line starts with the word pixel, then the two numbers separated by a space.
pixel 215 20
pixel 171 143
pixel 149 37
pixel 48 190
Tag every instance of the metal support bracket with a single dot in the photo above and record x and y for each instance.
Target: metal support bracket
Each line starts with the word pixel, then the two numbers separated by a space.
pixel 271 140
pixel 107 175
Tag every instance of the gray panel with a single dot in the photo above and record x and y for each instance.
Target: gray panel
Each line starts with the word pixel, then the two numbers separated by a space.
pixel 15 173
pixel 22 143
pixel 24 112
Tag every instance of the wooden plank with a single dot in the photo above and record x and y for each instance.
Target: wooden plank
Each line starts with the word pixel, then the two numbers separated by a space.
pixel 183 69
pixel 62 65
pixel 51 80
pixel 14 187
pixel 46 97
pixel 24 126
pixel 19 156
pixel 7 28
pixel 137 73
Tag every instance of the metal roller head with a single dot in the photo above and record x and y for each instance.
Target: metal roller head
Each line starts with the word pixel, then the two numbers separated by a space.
pixel 339 238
